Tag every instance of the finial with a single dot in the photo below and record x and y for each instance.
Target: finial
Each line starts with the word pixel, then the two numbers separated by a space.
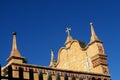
pixel 68 31
pixel 69 37
pixel 91 23
pixel 52 55
pixel 13 33
pixel 52 62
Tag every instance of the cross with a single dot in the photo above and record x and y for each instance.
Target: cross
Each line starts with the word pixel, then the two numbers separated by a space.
pixel 68 31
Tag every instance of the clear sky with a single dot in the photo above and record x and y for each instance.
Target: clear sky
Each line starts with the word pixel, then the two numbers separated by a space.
pixel 40 26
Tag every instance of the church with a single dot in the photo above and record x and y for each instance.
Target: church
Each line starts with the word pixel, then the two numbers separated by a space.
pixel 76 61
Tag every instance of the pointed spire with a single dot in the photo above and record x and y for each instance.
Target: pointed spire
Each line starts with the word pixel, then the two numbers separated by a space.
pixel 15 56
pixel 14 46
pixel 14 51
pixel 93 35
pixel 52 62
pixel 69 37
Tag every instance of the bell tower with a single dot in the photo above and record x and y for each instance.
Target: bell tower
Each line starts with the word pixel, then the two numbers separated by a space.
pixel 98 56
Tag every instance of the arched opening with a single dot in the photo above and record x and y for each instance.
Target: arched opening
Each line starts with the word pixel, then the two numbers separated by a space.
pixel 93 78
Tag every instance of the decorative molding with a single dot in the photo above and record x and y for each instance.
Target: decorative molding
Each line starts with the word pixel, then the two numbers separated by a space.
pixel 99 59
pixel 54 71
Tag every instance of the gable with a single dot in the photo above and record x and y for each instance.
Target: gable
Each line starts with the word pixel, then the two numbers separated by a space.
pixel 72 58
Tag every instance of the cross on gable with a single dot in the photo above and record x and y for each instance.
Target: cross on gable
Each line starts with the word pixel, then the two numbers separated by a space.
pixel 68 31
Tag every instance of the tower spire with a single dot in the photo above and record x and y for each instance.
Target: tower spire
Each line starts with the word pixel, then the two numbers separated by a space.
pixel 15 51
pixel 93 35
pixel 14 45
pixel 15 54
pixel 52 62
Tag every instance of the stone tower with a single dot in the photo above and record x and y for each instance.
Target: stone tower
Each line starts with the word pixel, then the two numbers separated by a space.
pixel 96 53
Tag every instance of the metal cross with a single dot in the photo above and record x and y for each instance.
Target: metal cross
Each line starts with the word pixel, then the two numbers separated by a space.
pixel 68 31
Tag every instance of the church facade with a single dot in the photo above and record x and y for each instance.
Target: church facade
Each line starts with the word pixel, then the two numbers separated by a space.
pixel 76 61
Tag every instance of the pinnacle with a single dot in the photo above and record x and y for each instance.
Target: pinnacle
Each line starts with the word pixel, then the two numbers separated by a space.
pixel 93 34
pixel 14 51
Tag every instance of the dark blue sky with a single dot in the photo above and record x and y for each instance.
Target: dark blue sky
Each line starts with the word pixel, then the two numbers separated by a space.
pixel 40 26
